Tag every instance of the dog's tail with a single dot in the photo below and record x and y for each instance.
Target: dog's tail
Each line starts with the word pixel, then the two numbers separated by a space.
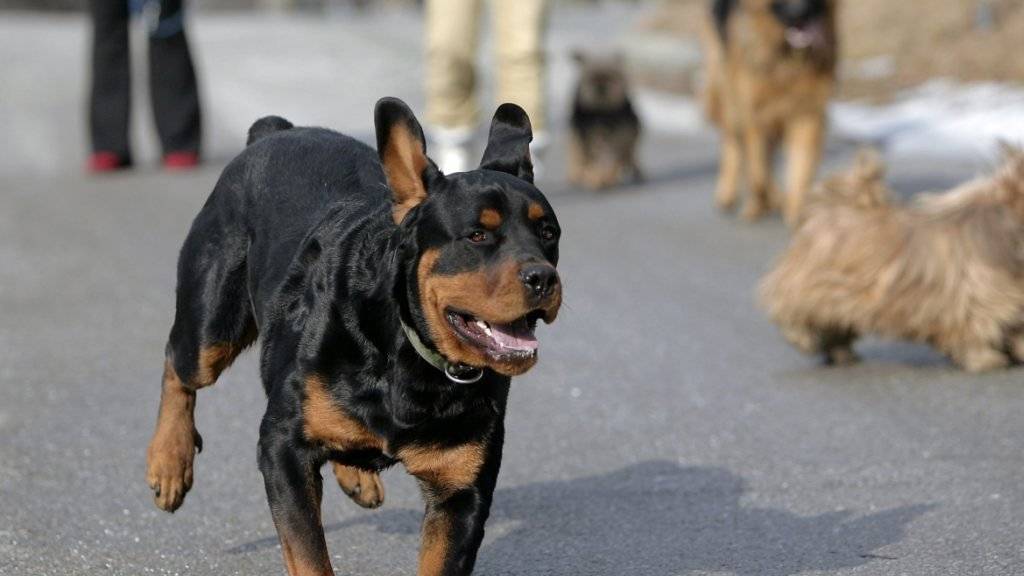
pixel 266 126
pixel 862 185
pixel 1010 178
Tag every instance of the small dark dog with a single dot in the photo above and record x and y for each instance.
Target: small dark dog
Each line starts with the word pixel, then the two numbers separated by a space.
pixel 393 304
pixel 605 128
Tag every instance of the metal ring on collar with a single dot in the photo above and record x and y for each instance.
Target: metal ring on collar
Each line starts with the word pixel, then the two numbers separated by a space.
pixel 476 374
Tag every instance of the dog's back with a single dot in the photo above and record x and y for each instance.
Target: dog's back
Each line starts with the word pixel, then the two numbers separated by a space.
pixel 286 182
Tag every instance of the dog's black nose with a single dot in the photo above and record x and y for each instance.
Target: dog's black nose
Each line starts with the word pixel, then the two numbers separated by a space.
pixel 540 279
pixel 796 12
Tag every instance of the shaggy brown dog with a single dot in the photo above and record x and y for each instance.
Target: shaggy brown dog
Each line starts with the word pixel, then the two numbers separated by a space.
pixel 770 71
pixel 945 270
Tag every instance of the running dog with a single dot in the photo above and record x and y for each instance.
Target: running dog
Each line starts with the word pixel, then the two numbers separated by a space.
pixel 393 304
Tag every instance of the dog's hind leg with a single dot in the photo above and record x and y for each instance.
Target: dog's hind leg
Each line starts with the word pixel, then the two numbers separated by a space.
pixel 213 324
pixel 729 171
pixel 803 141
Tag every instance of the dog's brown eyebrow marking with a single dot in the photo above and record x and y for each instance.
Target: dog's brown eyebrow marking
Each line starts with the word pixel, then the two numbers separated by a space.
pixel 535 212
pixel 490 218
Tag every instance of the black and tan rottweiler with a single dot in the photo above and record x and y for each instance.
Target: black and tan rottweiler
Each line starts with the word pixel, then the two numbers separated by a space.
pixel 392 303
pixel 771 68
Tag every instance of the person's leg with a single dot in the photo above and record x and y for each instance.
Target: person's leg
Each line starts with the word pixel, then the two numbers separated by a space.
pixel 452 107
pixel 520 27
pixel 173 88
pixel 110 93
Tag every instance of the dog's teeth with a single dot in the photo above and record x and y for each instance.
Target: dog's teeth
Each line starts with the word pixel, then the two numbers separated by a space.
pixel 484 326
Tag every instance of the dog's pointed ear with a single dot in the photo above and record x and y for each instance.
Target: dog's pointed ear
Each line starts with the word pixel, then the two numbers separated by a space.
pixel 403 151
pixel 508 145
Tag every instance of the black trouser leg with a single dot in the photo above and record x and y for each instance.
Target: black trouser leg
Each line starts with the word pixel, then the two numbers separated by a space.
pixel 110 95
pixel 172 82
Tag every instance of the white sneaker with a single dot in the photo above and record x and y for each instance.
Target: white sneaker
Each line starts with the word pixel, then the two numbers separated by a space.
pixel 451 148
pixel 538 149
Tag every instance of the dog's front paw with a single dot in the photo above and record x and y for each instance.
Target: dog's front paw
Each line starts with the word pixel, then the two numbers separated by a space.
pixel 725 200
pixel 363 487
pixel 977 360
pixel 754 210
pixel 841 356
pixel 169 466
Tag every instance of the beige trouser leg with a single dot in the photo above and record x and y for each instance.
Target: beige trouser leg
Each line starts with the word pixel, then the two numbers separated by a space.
pixel 452 37
pixel 519 26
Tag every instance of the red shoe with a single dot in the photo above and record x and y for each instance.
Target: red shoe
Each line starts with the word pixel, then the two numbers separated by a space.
pixel 181 160
pixel 106 162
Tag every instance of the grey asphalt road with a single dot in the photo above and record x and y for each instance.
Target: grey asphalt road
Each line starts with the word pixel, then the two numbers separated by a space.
pixel 668 430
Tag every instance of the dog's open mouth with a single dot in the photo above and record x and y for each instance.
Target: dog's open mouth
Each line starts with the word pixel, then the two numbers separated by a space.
pixel 809 34
pixel 501 342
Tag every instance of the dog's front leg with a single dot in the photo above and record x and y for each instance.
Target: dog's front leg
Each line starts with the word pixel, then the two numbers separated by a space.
pixel 291 473
pixel 804 139
pixel 730 170
pixel 758 149
pixel 457 485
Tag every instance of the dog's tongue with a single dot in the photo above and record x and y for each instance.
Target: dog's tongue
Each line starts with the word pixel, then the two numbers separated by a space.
pixel 513 337
pixel 807 35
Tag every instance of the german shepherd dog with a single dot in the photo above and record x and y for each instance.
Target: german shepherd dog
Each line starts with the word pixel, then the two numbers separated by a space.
pixel 393 304
pixel 770 71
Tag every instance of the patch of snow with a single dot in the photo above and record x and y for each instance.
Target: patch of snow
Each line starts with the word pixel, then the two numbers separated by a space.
pixel 940 119
pixel 668 113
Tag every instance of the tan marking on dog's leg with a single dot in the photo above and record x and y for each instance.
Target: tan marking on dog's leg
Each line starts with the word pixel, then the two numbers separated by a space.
pixel 214 359
pixel 363 487
pixel 324 421
pixel 729 171
pixel 173 447
pixel 303 558
pixel 434 545
pixel 445 469
pixel 758 156
pixel 804 140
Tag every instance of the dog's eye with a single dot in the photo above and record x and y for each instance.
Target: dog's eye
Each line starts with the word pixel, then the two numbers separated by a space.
pixel 547 233
pixel 477 236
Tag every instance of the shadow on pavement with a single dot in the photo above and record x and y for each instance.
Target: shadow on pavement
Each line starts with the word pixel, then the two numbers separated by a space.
pixel 658 519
